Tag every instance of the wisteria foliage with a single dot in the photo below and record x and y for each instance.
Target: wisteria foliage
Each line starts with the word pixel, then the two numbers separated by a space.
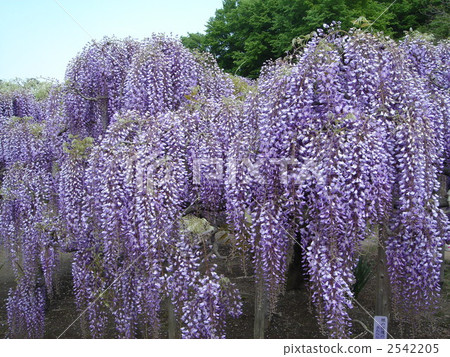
pixel 136 183
pixel 28 224
pixel 95 84
pixel 336 143
pixel 364 136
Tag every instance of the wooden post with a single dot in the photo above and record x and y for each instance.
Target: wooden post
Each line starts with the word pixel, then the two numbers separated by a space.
pixel 443 198
pixel 443 204
pixel 442 273
pixel 171 320
pixel 103 103
pixel 260 311
pixel 383 289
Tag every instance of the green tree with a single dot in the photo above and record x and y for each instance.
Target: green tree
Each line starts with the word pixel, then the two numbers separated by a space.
pixel 222 34
pixel 256 37
pixel 439 26
pixel 244 34
pixel 39 88
pixel 430 16
pixel 347 11
pixel 195 41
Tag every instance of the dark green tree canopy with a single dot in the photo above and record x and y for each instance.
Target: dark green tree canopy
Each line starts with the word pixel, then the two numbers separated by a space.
pixel 244 34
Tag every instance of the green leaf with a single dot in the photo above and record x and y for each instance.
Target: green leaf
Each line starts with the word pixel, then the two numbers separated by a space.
pixel 195 225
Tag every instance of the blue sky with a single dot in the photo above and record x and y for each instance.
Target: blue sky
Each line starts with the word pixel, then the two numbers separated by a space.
pixel 38 38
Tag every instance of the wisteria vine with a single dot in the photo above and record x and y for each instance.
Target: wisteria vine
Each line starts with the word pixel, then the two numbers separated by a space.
pixel 340 141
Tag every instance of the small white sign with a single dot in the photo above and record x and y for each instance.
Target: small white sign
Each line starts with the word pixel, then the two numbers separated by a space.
pixel 380 326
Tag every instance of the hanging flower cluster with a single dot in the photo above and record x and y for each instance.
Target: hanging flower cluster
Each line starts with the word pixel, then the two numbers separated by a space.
pixel 107 205
pixel 340 141
pixel 152 76
pixel 164 74
pixel 136 185
pixel 95 84
pixel 19 103
pixel 28 223
pixel 430 62
pixel 331 165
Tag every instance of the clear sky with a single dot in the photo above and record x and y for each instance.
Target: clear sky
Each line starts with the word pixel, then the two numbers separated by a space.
pixel 38 38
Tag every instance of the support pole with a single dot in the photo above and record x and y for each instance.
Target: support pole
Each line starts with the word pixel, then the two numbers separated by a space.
pixel 383 288
pixel 260 311
pixel 443 204
pixel 171 320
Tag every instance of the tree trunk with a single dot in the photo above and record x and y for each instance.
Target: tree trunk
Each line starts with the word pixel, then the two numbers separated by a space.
pixel 443 198
pixel 260 311
pixel 297 275
pixel 171 320
pixel 103 102
pixel 383 289
pixel 443 203
pixel 442 273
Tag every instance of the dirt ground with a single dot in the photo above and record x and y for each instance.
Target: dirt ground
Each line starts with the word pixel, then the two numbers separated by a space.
pixel 293 320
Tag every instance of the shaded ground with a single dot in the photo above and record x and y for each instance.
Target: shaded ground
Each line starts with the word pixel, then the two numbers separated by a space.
pixel 292 320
